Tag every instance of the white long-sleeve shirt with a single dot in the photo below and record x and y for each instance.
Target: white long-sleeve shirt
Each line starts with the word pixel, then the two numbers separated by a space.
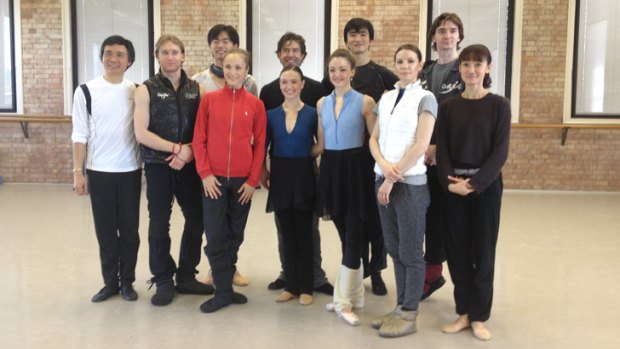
pixel 108 133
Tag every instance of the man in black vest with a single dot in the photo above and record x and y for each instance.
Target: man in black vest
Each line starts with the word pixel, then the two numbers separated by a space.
pixel 166 106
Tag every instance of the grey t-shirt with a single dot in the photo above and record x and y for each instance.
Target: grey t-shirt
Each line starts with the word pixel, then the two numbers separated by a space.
pixel 429 104
pixel 438 74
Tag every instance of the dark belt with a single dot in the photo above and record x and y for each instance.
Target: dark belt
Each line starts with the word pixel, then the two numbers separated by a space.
pixel 466 171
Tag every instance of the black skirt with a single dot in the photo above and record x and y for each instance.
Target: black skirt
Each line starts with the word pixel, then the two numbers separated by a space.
pixel 292 184
pixel 346 186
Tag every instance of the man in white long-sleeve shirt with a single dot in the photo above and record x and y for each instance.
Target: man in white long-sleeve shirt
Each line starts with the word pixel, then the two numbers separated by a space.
pixel 107 166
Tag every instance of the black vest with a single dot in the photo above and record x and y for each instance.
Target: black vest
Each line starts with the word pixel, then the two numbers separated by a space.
pixel 172 113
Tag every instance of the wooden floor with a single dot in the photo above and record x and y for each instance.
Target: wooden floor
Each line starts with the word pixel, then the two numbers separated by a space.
pixel 557 283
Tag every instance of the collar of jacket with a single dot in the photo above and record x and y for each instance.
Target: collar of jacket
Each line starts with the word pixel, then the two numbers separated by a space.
pixel 168 83
pixel 229 91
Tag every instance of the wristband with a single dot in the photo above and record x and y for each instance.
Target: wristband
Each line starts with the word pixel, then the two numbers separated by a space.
pixel 77 170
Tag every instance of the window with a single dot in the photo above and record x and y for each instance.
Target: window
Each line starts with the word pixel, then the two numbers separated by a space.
pixel 596 73
pixel 94 20
pixel 8 89
pixel 490 23
pixel 270 19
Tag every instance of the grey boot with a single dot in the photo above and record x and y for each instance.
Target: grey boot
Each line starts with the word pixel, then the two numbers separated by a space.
pixel 399 326
pixel 379 321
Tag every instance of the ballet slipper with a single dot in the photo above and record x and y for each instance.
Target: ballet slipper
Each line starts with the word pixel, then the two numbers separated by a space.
pixel 284 297
pixel 305 299
pixel 240 280
pixel 457 326
pixel 480 331
pixel 349 317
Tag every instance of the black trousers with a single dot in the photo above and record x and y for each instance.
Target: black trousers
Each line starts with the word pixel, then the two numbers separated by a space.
pixel 434 251
pixel 224 220
pixel 351 239
pixel 374 253
pixel 471 239
pixel 164 185
pixel 115 201
pixel 296 228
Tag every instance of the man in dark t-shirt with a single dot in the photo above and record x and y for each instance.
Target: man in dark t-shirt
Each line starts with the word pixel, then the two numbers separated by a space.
pixel 292 51
pixel 441 77
pixel 370 79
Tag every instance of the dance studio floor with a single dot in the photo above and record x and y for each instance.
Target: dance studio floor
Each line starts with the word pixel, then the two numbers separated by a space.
pixel 557 283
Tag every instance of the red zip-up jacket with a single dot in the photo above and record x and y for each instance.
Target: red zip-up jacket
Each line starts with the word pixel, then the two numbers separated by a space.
pixel 229 137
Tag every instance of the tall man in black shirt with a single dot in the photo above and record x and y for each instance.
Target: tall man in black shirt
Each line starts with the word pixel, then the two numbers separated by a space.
pixel 292 51
pixel 371 79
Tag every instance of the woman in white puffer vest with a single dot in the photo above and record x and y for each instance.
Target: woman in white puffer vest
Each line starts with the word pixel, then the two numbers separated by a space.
pixel 405 120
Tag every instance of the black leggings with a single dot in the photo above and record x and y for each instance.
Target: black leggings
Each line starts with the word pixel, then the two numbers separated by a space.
pixel 351 237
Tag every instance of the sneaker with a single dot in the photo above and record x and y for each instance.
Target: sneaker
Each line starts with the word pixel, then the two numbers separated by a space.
pixel 378 286
pixel 326 288
pixel 277 284
pixel 432 287
pixel 104 294
pixel 164 294
pixel 128 293
pixel 194 287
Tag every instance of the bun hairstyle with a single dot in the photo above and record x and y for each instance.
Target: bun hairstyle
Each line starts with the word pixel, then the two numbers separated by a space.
pixel 477 53
pixel 241 52
pixel 409 47
pixel 342 53
pixel 294 68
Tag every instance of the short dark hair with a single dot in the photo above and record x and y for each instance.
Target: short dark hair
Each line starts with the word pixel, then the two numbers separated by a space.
pixel 477 53
pixel 357 24
pixel 409 47
pixel 290 36
pixel 119 40
pixel 446 16
pixel 292 67
pixel 218 28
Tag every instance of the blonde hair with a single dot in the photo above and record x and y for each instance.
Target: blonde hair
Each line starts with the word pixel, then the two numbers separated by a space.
pixel 169 38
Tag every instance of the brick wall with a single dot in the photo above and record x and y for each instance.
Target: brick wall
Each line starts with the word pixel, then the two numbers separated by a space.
pixel 46 156
pixel 191 20
pixel 537 158
pixel 395 23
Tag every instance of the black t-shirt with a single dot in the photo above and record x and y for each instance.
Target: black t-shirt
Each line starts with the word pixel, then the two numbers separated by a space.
pixel 370 79
pixel 272 97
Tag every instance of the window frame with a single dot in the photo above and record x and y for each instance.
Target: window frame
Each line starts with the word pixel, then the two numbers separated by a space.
pixel 245 31
pixel 17 106
pixel 572 70
pixel 153 14
pixel 514 23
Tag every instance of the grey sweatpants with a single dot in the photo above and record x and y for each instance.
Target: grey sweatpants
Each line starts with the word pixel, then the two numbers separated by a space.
pixel 403 223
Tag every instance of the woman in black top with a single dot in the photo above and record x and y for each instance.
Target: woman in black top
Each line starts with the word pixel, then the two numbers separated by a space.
pixel 473 132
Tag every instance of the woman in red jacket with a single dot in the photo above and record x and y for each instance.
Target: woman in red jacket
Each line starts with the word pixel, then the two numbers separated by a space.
pixel 229 146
